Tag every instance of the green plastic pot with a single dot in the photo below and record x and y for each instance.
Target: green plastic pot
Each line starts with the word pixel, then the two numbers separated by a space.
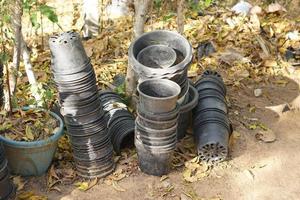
pixel 32 158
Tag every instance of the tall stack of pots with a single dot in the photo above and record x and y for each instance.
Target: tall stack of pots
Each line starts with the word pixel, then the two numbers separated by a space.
pixel 7 189
pixel 120 122
pixel 211 125
pixel 156 125
pixel 79 99
pixel 165 55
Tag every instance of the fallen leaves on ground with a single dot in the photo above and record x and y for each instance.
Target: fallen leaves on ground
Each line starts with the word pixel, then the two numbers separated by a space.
pixel 195 170
pixel 19 182
pixel 86 185
pixel 30 196
pixel 266 136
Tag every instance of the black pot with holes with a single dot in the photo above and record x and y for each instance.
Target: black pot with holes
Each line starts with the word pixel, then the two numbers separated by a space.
pixel 211 126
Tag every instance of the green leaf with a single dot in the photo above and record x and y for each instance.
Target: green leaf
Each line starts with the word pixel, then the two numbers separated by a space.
pixel 34 20
pixel 49 13
pixel 168 16
pixel 4 57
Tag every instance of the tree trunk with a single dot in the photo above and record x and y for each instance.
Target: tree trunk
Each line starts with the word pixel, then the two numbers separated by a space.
pixel 17 26
pixel 1 84
pixel 91 18
pixel 30 73
pixel 180 16
pixel 141 9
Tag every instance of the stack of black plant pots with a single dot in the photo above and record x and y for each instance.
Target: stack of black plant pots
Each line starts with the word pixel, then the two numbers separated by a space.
pixel 165 55
pixel 211 125
pixel 120 122
pixel 79 99
pixel 156 125
pixel 7 189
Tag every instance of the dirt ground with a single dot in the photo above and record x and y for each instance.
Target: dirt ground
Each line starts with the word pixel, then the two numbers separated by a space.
pixel 255 169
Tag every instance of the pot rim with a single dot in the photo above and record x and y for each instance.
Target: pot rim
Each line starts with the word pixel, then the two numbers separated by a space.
pixel 168 82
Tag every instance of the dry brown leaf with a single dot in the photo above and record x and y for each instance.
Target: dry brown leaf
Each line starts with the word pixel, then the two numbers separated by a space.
pixel 19 182
pixel 275 7
pixel 266 136
pixel 117 187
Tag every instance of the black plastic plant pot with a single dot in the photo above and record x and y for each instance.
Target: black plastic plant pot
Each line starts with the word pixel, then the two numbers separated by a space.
pixel 93 125
pixel 212 74
pixel 161 116
pixel 7 189
pixel 212 141
pixel 156 141
pixel 185 112
pixel 170 39
pixel 156 124
pixel 206 82
pixel 87 130
pixel 184 93
pixel 77 88
pixel 3 169
pixel 208 115
pixel 124 136
pixel 158 95
pixel 153 163
pixel 99 171
pixel 84 119
pixel 84 88
pixel 93 154
pixel 88 139
pixel 82 110
pixel 155 132
pixel 68 54
pixel 85 74
pixel 211 102
pixel 74 96
pixel 157 56
pixel 118 115
pixel 78 103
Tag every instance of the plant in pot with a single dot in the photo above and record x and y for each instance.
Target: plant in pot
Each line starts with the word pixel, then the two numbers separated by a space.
pixel 30 136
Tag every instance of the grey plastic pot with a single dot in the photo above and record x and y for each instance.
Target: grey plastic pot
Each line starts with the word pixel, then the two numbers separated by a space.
pixel 155 163
pixel 157 56
pixel 155 141
pixel 185 112
pixel 155 132
pixel 160 37
pixel 159 117
pixel 95 170
pixel 156 124
pixel 158 95
pixel 68 54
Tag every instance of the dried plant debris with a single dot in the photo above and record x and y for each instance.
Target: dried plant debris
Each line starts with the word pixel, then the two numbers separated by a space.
pixel 31 125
